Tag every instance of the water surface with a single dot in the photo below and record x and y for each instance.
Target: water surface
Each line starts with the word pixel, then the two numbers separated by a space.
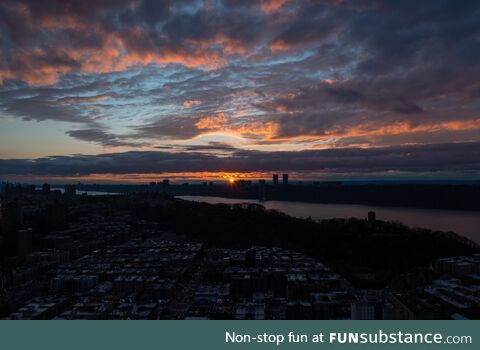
pixel 466 223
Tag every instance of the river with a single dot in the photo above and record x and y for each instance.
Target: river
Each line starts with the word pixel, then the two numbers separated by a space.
pixel 466 223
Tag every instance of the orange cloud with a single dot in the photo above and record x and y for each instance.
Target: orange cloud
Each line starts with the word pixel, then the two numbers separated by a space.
pixel 32 66
pixel 269 6
pixel 223 124
pixel 191 103
pixel 77 99
pixel 268 130
pixel 215 122
pixel 405 128
pixel 280 46
pixel 372 130
pixel 117 52
pixel 6 74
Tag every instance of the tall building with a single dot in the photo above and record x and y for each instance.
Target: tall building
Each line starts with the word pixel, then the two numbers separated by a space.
pixel 261 188
pixel 46 188
pixel 285 179
pixel 70 190
pixel 372 218
pixel 275 179
pixel 165 185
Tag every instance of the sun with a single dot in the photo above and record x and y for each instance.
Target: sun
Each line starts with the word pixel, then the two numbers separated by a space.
pixel 231 180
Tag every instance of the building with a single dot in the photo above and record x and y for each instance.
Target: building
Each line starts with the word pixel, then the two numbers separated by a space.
pixel 275 179
pixel 372 218
pixel 70 190
pixel 368 306
pixel 250 311
pixel 46 189
pixel 417 305
pixel 165 185
pixel 261 189
pixel 24 241
pixel 459 265
pixel 12 219
pixel 285 179
pixel 39 309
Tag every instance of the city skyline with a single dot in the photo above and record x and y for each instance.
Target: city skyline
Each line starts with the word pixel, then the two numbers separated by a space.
pixel 133 91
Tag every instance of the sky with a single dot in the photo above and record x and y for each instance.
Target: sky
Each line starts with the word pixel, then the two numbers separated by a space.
pixel 135 90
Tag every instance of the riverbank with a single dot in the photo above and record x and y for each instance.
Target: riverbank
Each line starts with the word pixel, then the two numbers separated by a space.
pixel 465 223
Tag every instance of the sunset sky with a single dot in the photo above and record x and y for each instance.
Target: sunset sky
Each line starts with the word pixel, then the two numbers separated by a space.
pixel 128 90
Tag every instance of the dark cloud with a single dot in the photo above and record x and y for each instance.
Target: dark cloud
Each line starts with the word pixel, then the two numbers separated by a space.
pixel 217 147
pixel 170 127
pixel 342 93
pixel 101 137
pixel 63 103
pixel 460 157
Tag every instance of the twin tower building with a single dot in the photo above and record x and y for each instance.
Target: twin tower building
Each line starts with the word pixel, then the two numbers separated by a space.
pixel 284 179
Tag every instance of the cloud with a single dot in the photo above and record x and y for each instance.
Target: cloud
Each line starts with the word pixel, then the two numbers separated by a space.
pixel 215 122
pixel 212 146
pixel 269 6
pixel 191 103
pixel 79 104
pixel 59 38
pixel 80 99
pixel 170 128
pixel 461 157
pixel 102 137
pixel 293 74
